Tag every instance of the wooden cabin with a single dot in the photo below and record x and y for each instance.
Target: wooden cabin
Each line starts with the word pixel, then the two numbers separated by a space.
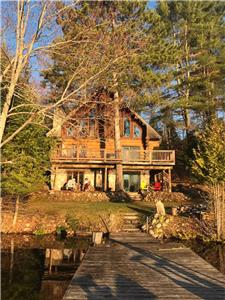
pixel 86 150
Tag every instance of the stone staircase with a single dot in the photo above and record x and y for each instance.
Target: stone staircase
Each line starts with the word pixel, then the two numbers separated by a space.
pixel 131 222
pixel 134 196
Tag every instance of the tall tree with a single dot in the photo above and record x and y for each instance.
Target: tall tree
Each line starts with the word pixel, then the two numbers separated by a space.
pixel 196 29
pixel 25 159
pixel 118 31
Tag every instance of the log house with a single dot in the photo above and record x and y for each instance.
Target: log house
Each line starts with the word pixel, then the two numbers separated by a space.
pixel 86 150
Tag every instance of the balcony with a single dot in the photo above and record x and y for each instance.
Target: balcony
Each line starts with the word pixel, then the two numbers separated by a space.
pixel 154 157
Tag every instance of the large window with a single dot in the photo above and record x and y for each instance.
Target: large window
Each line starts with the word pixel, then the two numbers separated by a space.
pixel 69 131
pixel 137 131
pixel 92 123
pixel 126 127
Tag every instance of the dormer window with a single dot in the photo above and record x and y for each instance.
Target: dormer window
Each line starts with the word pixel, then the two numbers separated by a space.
pixel 126 127
pixel 69 131
pixel 137 131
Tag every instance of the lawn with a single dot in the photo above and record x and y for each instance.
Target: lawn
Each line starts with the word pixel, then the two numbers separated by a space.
pixel 88 214
pixel 41 205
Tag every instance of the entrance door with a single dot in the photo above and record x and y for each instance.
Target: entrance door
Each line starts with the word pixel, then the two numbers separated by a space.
pixel 131 181
pixel 99 180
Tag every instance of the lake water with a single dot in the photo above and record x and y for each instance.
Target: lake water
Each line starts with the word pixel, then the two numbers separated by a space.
pixel 40 268
pixel 34 268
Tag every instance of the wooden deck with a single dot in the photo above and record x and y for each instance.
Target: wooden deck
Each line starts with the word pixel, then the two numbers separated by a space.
pixel 133 266
pixel 154 157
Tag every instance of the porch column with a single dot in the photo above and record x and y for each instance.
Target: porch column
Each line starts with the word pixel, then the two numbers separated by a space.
pixel 54 172
pixel 105 179
pixel 119 176
pixel 169 180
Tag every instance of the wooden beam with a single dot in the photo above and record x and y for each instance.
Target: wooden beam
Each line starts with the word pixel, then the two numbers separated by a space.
pixel 84 166
pixel 69 166
pixel 169 178
pixel 105 179
pixel 141 168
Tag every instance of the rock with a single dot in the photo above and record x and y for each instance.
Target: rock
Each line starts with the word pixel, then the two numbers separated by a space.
pixel 160 208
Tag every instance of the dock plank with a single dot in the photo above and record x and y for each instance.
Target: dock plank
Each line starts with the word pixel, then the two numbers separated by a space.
pixel 134 266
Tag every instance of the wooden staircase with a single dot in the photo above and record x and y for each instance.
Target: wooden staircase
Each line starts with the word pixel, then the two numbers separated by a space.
pixel 131 222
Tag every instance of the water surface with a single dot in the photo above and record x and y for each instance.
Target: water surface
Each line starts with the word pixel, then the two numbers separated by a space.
pixel 39 268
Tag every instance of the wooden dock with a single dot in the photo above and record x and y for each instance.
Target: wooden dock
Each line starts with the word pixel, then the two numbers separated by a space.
pixel 134 266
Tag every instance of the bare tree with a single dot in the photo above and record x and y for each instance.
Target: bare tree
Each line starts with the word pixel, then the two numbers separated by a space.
pixel 39 43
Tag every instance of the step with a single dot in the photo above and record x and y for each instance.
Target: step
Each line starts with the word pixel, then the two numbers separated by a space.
pixel 131 217
pixel 130 225
pixel 134 223
pixel 131 229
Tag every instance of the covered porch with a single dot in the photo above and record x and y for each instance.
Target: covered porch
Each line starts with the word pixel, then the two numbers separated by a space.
pixel 103 177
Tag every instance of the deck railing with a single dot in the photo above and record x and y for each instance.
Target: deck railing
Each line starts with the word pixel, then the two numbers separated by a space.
pixel 126 156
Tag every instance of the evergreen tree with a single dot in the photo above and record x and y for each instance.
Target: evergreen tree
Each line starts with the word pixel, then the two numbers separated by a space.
pixel 25 159
pixel 196 28
pixel 209 157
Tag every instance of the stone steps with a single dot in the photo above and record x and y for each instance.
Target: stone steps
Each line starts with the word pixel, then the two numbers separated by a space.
pixel 131 222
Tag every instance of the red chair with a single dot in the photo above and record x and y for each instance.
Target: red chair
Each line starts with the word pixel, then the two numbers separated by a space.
pixel 157 186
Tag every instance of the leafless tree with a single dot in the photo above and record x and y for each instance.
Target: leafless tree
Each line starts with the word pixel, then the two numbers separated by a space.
pixel 29 45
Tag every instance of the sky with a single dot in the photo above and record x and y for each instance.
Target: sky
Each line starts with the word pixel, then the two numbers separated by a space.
pixel 8 17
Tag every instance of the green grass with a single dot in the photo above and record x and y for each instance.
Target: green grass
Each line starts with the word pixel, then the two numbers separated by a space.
pixel 89 215
pixel 42 205
pixel 72 207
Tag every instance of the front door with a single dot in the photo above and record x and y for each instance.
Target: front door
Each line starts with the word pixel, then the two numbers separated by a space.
pixel 131 181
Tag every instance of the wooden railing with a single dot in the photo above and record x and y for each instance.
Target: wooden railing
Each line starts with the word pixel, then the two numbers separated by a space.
pixel 155 157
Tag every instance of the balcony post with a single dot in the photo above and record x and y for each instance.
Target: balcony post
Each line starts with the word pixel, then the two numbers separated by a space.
pixel 78 150
pixel 173 156
pixel 104 155
pixel 150 157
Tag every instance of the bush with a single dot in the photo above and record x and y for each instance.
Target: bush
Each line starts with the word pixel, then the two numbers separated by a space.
pixel 72 222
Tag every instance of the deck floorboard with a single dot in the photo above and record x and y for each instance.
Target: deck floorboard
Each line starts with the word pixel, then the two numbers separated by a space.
pixel 133 266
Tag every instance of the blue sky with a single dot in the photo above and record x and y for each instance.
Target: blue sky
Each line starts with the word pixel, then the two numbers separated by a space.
pixel 8 11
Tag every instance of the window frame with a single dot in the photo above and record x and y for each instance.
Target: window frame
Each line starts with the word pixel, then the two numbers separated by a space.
pixel 73 132
pixel 127 119
pixel 140 129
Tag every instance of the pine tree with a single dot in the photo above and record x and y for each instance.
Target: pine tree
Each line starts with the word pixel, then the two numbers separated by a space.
pixel 196 28
pixel 123 32
pixel 209 156
pixel 25 159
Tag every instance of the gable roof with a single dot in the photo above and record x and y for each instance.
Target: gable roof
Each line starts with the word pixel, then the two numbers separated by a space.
pixel 151 132
pixel 60 117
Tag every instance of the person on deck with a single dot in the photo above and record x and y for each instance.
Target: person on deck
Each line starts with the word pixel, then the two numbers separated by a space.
pixel 143 186
pixel 86 185
pixel 71 184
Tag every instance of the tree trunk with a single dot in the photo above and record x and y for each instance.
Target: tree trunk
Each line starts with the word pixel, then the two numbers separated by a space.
pixel 119 166
pixel 11 261
pixel 5 109
pixel 218 194
pixel 16 211
pixel 187 120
